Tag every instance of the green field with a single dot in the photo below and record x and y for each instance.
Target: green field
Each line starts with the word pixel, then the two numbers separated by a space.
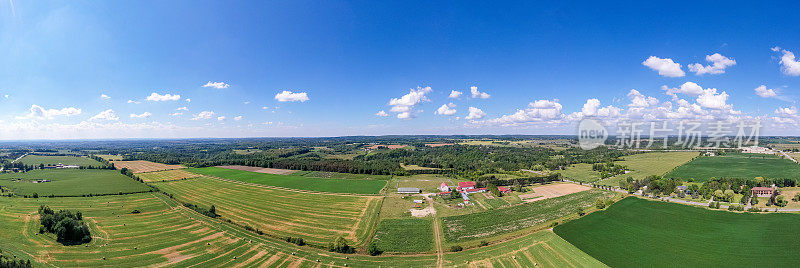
pixel 71 182
pixel 47 160
pixel 581 172
pixel 745 166
pixel 299 181
pixel 641 233
pixel 646 164
pixel 166 175
pixel 405 235
pixel 489 223
pixel 317 218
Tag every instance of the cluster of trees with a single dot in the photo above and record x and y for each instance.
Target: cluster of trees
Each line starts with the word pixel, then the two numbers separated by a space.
pixel 296 240
pixel 13 262
pixel 210 212
pixel 652 184
pixel 339 245
pixel 608 169
pixel 68 227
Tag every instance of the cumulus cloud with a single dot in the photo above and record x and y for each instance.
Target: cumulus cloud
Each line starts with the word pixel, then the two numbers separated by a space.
pixel 475 113
pixel 238 118
pixel 765 92
pixel 405 104
pixel 288 96
pixel 688 88
pixel 789 65
pixel 37 112
pixel 713 100
pixel 166 97
pixel 107 115
pixel 537 111
pixel 640 100
pixel 446 109
pixel 203 115
pixel 477 94
pixel 142 115
pixel 454 94
pixel 665 67
pixel 382 113
pixel 718 65
pixel 134 102
pixel 786 111
pixel 104 96
pixel 217 85
pixel 592 108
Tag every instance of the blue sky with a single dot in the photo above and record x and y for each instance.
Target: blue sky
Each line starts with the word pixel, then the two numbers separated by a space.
pixel 540 64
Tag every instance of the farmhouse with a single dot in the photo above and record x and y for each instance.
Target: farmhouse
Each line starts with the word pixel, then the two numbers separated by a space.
pixel 475 190
pixel 763 191
pixel 444 187
pixel 408 190
pixel 681 188
pixel 466 185
pixel 503 189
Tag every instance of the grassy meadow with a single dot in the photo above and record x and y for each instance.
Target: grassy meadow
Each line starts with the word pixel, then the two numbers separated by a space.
pixel 50 160
pixel 581 172
pixel 297 181
pixel 737 165
pixel 71 182
pixel 646 164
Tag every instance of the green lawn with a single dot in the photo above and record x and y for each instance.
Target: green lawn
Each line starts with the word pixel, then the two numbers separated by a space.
pixel 641 233
pixel 71 182
pixel 746 166
pixel 493 222
pixel 299 182
pixel 405 235
pixel 47 160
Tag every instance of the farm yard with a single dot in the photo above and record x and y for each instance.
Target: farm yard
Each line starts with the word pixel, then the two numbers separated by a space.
pixel 736 165
pixel 70 182
pixel 640 233
pixel 139 166
pixel 405 235
pixel 167 175
pixel 317 218
pixel 51 160
pixel 298 182
pixel 485 224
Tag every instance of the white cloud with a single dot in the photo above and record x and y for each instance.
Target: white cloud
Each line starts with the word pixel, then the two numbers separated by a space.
pixel 104 96
pixel 176 114
pixel 786 111
pixel 288 96
pixel 688 88
pixel 665 67
pixel 404 105
pixel 764 92
pixel 718 65
pixel 203 115
pixel 455 94
pixel 246 102
pixel 188 100
pixel 382 113
pixel 134 102
pixel 789 65
pixel 184 108
pixel 537 111
pixel 446 109
pixel 640 100
pixel 142 115
pixel 107 115
pixel 477 94
pixel 37 112
pixel 775 48
pixel 166 97
pixel 710 99
pixel 592 109
pixel 217 85
pixel 475 113
pixel 238 118
pixel 221 118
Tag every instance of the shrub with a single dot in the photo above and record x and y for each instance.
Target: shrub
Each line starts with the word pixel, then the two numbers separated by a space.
pixel 296 240
pixel 339 245
pixel 373 250
pixel 135 211
pixel 456 248
pixel 483 244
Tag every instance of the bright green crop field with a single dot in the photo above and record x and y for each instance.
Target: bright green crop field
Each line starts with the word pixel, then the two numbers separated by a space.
pixel 498 221
pixel 405 235
pixel 70 182
pixel 745 166
pixel 641 233
pixel 299 182
pixel 48 160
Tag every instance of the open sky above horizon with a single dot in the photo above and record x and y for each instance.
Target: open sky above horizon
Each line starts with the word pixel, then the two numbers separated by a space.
pixel 182 69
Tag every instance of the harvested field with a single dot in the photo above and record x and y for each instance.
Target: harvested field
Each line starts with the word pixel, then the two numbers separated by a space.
pixel 167 175
pixel 552 190
pixel 140 166
pixel 70 182
pixel 261 170
pixel 299 181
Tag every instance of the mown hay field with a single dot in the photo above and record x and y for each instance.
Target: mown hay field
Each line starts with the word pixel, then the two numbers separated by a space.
pixel 299 182
pixel 580 172
pixel 51 160
pixel 405 235
pixel 746 166
pixel 317 218
pixel 139 166
pixel 167 175
pixel 646 164
pixel 485 224
pixel 71 182
pixel 641 233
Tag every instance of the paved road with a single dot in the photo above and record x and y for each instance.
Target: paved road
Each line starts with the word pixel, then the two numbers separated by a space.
pixel 15 160
pixel 787 156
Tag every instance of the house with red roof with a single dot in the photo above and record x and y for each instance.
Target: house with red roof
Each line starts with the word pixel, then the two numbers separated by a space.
pixel 503 189
pixel 466 185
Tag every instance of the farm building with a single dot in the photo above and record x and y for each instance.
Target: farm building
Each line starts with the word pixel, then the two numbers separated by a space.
pixel 763 191
pixel 408 190
pixel 682 188
pixel 504 190
pixel 474 190
pixel 445 193
pixel 466 185
pixel 444 187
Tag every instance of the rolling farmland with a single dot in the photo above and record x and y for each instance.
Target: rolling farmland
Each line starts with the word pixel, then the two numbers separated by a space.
pixel 167 175
pixel 299 182
pixel 540 249
pixel 746 166
pixel 52 160
pixel 405 235
pixel 646 164
pixel 641 233
pixel 144 166
pixel 317 218
pixel 71 182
